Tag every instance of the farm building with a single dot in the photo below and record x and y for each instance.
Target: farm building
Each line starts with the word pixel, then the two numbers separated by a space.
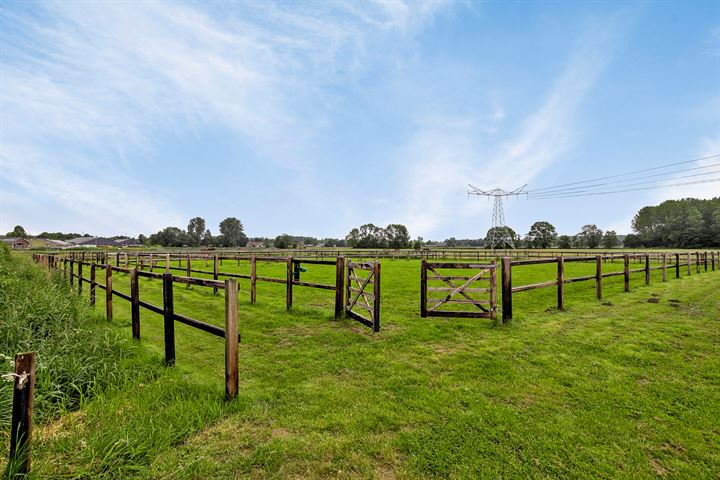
pixel 254 245
pixel 127 242
pixel 16 243
pixel 49 243
pixel 92 242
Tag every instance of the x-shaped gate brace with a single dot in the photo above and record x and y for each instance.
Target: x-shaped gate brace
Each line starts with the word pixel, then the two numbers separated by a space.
pixel 357 286
pixel 487 272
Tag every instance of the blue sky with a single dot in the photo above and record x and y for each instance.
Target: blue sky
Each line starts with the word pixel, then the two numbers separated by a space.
pixel 312 118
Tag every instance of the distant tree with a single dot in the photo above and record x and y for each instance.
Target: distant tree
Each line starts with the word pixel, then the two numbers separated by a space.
pixel 207 239
pixel 500 230
pixel 590 236
pixel 451 242
pixel 397 236
pixel 170 237
pixel 233 233
pixel 610 239
pixel 18 231
pixel 142 239
pixel 195 230
pixel 284 241
pixel 541 235
pixel 564 241
pixel 632 241
pixel 367 236
pixel 418 243
pixel 686 223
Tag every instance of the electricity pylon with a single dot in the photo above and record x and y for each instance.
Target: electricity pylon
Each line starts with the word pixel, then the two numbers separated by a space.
pixel 499 234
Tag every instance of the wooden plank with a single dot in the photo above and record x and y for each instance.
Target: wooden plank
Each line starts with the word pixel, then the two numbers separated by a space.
pixel 289 284
pixel 580 279
pixel 459 301
pixel 135 303
pixel 598 277
pixel 80 277
pixel 507 290
pixel 376 294
pixel 108 292
pixel 475 314
pixel 533 262
pixel 356 316
pixel 93 284
pixel 664 267
pixel 423 288
pixel 321 286
pixel 647 269
pixel 188 268
pixel 339 285
pixel 560 283
pixel 21 429
pixel 231 339
pixel 201 282
pixel 215 272
pixel 253 279
pixel 466 266
pixel 147 274
pixel 153 308
pixel 626 272
pixel 450 289
pixel 168 320
pixel 122 295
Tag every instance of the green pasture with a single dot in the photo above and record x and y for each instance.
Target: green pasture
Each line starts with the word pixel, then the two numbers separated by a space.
pixel 626 387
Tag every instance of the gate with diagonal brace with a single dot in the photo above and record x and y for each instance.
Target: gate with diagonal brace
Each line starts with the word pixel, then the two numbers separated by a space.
pixel 467 290
pixel 363 293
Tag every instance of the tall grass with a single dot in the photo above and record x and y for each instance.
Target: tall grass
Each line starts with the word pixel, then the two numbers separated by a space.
pixel 77 354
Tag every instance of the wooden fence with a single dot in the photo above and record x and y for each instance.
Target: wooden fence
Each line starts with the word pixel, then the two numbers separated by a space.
pixel 359 276
pixel 451 290
pixel 73 270
pixel 676 262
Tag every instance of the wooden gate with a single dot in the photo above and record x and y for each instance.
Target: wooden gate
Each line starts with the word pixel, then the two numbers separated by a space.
pixel 358 297
pixel 473 304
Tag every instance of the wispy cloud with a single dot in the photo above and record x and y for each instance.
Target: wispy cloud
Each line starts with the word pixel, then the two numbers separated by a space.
pixel 446 157
pixel 88 87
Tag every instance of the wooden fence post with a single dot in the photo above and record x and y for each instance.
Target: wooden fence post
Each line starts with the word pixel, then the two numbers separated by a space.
pixel 169 319
pixel 560 283
pixel 215 272
pixel 677 265
pixel 506 279
pixel 712 260
pixel 152 263
pixel 493 289
pixel 647 269
pixel 664 267
pixel 22 411
pixel 108 293
pixel 135 303
pixel 65 263
pixel 80 277
pixel 92 284
pixel 72 272
pixel 705 260
pixel 339 286
pixel 231 338
pixel 376 294
pixel 697 262
pixel 626 271
pixel 423 288
pixel 167 263
pixel 253 279
pixel 598 277
pixel 689 268
pixel 289 283
pixel 187 269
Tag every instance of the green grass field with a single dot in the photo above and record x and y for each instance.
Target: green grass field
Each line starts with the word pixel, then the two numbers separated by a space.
pixel 622 388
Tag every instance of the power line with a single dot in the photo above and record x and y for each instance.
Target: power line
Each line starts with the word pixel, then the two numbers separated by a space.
pixel 626 174
pixel 643 177
pixel 571 195
pixel 580 189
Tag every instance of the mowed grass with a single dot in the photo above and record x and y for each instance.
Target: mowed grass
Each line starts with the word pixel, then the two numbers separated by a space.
pixel 621 388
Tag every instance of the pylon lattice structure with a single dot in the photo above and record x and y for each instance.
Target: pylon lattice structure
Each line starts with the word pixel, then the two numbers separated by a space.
pixel 499 233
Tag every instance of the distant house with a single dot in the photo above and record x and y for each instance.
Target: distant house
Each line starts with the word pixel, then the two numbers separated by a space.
pixel 127 242
pixel 16 242
pixel 254 245
pixel 93 242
